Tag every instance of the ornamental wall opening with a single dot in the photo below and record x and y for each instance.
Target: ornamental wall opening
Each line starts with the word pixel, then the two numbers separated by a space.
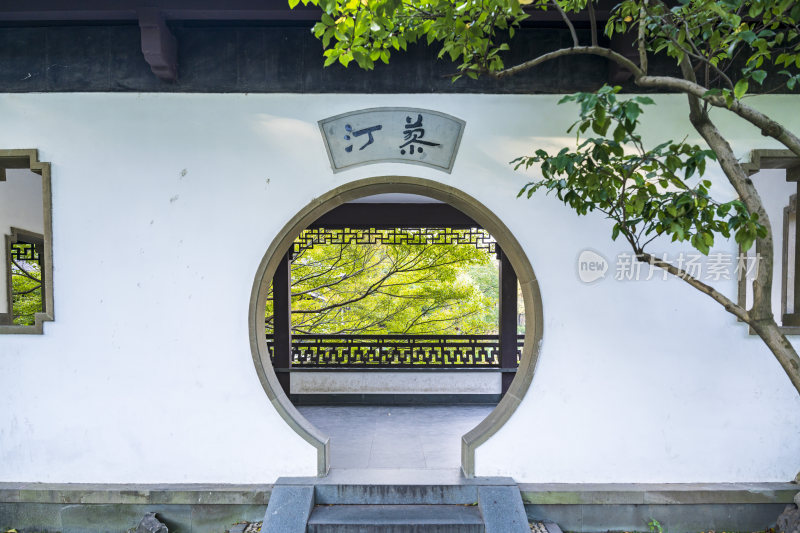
pixel 421 350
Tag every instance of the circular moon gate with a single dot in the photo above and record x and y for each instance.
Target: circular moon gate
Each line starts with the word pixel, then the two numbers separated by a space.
pixel 408 185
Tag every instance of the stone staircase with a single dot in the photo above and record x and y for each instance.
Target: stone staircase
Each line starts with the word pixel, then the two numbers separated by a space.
pixel 395 518
pixel 395 501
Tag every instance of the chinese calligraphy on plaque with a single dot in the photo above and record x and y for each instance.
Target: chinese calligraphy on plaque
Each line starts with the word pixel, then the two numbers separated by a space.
pixel 402 135
pixel 413 134
pixel 349 129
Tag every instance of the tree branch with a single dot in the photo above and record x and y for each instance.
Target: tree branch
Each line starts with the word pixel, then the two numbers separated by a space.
pixel 14 293
pixel 768 127
pixel 640 42
pixel 726 302
pixel 577 50
pixel 564 16
pixel 762 286
pixel 24 272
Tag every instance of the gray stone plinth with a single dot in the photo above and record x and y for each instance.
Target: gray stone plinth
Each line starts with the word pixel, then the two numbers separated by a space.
pixel 289 508
pixel 502 509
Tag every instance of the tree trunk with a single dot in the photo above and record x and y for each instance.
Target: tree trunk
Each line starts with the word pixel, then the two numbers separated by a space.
pixel 760 317
pixel 780 346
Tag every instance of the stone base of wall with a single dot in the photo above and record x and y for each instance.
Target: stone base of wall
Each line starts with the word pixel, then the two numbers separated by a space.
pixel 96 508
pixel 678 507
pixel 89 508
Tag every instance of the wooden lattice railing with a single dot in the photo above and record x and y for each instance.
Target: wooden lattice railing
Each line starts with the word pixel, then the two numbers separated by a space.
pixel 396 351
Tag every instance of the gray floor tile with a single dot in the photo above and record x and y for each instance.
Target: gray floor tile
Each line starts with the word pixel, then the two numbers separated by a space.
pixel 395 437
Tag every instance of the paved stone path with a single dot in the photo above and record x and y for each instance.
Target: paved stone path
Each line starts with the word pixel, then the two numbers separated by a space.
pixel 426 437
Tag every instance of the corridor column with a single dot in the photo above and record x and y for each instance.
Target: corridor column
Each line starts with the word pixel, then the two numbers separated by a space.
pixel 507 319
pixel 282 307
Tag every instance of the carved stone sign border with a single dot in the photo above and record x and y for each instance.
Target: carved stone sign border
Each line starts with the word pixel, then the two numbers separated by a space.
pixel 392 134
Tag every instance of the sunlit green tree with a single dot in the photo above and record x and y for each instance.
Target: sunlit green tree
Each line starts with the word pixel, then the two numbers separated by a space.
pixel 26 292
pixel 393 289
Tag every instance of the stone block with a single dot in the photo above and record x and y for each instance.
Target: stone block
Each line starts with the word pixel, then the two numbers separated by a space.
pixel 151 524
pixel 789 520
pixel 502 509
pixel 289 508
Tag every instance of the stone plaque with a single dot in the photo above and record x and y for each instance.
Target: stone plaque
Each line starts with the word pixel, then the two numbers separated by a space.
pixel 392 134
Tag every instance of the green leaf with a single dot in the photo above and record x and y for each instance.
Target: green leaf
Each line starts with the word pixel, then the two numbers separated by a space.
pixel 619 133
pixel 747 36
pixel 332 57
pixel 759 76
pixel 740 88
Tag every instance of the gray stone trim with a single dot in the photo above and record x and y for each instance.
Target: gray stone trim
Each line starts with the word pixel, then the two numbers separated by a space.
pixel 686 518
pixel 135 494
pixel 657 493
pixel 770 158
pixel 398 184
pixel 532 493
pixel 7 318
pixel 29 158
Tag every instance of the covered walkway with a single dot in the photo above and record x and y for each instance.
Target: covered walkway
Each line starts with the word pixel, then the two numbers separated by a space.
pixel 423 437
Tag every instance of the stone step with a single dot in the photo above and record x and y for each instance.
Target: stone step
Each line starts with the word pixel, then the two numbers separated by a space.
pixel 395 494
pixel 397 487
pixel 395 519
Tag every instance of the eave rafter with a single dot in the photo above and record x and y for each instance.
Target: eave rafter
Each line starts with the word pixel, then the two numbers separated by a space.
pixel 159 46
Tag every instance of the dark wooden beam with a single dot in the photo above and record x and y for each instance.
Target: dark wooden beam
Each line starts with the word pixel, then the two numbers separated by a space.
pixel 177 10
pixel 239 10
pixel 507 320
pixel 159 46
pixel 624 44
pixel 282 307
pixel 430 215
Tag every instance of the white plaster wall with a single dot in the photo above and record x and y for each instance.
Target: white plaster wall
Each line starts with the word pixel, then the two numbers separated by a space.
pixel 163 206
pixel 20 207
pixel 395 382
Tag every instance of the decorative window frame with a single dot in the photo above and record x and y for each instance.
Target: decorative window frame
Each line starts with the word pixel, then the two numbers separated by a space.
pixel 29 159
pixel 789 212
pixel 787 160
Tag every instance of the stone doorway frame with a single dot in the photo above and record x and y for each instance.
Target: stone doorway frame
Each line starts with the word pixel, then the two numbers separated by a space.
pixel 409 185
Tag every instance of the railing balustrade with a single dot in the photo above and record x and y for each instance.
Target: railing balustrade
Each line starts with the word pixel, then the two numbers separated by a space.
pixel 396 351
